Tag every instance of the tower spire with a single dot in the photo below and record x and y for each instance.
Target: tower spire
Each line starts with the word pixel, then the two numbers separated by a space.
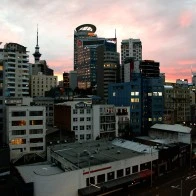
pixel 37 34
pixel 37 54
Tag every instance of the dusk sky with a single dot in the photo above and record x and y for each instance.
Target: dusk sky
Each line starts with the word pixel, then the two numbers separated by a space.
pixel 167 29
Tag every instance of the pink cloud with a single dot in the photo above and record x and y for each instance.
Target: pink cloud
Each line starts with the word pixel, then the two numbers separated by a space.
pixel 185 19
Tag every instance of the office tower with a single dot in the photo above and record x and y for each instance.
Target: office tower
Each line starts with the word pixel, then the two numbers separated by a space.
pixel 73 82
pixel 40 83
pixel 97 63
pixel 1 99
pixel 82 31
pixel 66 80
pixel 143 92
pixel 130 48
pixel 37 54
pixel 16 70
pixel 177 102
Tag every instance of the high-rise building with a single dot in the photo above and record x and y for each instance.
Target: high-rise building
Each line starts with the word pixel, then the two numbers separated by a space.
pixel 82 31
pixel 143 92
pixel 97 62
pixel 130 48
pixel 16 70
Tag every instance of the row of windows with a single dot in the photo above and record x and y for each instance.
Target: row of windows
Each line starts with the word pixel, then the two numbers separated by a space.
pixel 117 174
pixel 82 137
pixel 23 113
pixel 23 122
pixel 155 119
pixel 82 119
pixel 18 141
pixel 88 127
pixel 81 111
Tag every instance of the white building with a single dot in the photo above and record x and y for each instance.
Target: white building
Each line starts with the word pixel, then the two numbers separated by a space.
pixel 16 69
pixel 131 48
pixel 104 121
pixel 26 129
pixel 106 165
pixel 41 83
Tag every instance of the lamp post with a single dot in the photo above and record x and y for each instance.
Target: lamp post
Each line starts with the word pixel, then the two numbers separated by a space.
pixel 151 167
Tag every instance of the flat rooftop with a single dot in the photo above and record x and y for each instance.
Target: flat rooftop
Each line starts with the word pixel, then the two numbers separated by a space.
pixel 99 152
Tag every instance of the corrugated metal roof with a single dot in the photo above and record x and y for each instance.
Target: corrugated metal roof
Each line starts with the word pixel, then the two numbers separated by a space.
pixel 175 128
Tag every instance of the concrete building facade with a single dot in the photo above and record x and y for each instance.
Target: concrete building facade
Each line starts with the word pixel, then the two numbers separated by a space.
pixel 26 129
pixel 40 83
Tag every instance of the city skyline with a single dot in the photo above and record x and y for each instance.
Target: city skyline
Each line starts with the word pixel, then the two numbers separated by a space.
pixel 167 32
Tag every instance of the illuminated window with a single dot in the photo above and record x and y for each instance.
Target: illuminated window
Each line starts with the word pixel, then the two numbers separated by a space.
pixel 134 100
pixel 160 93
pixel 18 141
pixel 134 93
pixel 160 119
pixel 149 119
pixel 19 123
pixel 149 94
pixel 154 119
pixel 36 122
pixel 114 94
pixel 155 93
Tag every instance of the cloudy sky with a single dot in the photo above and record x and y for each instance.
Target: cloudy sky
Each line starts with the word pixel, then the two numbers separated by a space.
pixel 167 29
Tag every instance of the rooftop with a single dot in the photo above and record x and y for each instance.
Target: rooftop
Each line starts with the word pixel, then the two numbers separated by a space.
pixel 99 152
pixel 173 128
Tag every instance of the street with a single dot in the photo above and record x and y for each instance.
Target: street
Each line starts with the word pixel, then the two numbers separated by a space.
pixel 172 185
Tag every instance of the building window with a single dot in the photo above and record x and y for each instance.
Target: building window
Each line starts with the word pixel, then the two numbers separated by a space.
pixel 101 178
pixel 75 119
pixel 114 94
pixel 36 131
pixel 81 111
pixel 110 176
pixel 82 119
pixel 36 113
pixel 88 111
pixel 82 136
pixel 81 127
pixel 19 113
pixel 75 128
pixel 88 136
pixel 134 100
pixel 88 119
pixel 19 123
pixel 135 169
pixel 134 93
pixel 149 94
pixel 36 148
pixel 18 132
pixel 149 119
pixel 160 118
pixel 119 173
pixel 18 141
pixel 127 170
pixel 88 127
pixel 75 111
pixel 36 140
pixel 36 122
pixel 92 181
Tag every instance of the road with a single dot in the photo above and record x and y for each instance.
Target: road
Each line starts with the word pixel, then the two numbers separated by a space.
pixel 176 184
